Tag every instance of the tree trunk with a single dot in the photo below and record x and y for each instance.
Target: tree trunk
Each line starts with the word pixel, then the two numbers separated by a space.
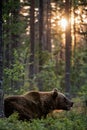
pixel 48 26
pixel 44 33
pixel 1 67
pixel 44 29
pixel 40 84
pixel 67 47
pixel 40 33
pixel 32 40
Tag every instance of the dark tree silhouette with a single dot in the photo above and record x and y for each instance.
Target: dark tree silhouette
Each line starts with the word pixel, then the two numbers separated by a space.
pixel 32 39
pixel 49 25
pixel 68 47
pixel 40 33
pixel 1 66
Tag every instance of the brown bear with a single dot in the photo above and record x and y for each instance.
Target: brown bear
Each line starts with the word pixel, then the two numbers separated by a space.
pixel 36 104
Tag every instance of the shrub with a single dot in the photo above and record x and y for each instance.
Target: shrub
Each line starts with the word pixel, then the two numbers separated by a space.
pixel 65 121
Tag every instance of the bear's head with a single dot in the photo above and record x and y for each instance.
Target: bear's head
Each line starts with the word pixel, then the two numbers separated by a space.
pixel 61 101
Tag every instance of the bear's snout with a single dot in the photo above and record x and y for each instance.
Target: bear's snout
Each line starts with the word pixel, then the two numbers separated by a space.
pixel 69 105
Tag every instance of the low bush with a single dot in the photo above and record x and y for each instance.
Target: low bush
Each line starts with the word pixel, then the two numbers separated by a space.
pixel 65 121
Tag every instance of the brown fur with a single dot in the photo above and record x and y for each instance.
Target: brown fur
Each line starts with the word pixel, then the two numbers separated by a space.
pixel 36 104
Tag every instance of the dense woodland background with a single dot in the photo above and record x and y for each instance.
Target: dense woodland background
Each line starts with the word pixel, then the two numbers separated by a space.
pixel 41 51
pixel 43 45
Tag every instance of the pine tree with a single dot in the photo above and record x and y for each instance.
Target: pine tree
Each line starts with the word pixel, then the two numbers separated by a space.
pixel 68 47
pixel 1 67
pixel 32 39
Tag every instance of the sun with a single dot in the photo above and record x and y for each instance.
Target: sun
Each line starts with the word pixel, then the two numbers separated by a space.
pixel 63 23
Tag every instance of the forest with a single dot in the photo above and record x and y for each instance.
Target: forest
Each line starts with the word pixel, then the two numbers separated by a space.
pixel 43 45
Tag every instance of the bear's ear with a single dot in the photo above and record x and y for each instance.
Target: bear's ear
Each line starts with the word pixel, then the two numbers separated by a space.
pixel 55 93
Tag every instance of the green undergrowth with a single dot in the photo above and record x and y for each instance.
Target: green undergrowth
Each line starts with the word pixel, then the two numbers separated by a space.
pixel 64 121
